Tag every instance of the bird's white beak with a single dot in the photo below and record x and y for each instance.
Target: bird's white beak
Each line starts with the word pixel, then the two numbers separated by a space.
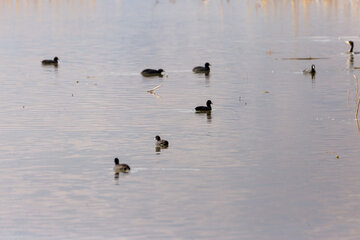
pixel 347 42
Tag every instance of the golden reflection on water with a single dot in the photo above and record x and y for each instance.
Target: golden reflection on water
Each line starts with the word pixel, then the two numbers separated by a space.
pixel 270 8
pixel 259 4
pixel 28 5
pixel 331 7
pixel 302 12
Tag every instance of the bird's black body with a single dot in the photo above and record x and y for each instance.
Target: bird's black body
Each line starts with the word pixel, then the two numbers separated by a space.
pixel 311 71
pixel 55 61
pixel 161 142
pixel 152 72
pixel 120 167
pixel 201 69
pixel 206 108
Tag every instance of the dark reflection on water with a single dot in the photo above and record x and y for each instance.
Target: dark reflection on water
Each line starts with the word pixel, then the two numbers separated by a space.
pixel 276 159
pixel 158 149
pixel 350 62
pixel 207 114
pixel 312 75
pixel 118 175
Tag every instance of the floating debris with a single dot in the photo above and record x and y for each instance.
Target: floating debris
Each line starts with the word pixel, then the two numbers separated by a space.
pixel 266 92
pixel 270 52
pixel 303 58
pixel 152 90
pixel 332 152
pixel 242 101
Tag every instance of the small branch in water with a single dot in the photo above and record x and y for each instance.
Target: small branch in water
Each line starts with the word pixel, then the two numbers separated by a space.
pixel 306 58
pixel 152 90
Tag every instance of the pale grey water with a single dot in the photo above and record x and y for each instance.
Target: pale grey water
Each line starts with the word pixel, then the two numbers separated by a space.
pixel 263 166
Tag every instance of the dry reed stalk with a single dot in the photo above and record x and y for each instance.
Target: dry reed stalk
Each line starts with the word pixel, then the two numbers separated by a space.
pixel 356 88
pixel 357 109
pixel 348 97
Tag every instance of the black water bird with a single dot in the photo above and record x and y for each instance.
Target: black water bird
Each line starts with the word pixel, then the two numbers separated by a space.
pixel 201 69
pixel 161 142
pixel 351 43
pixel 152 72
pixel 311 70
pixel 120 167
pixel 206 108
pixel 50 62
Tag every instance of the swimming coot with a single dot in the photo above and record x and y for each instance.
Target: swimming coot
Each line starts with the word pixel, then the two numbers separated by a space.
pixel 50 62
pixel 120 167
pixel 161 142
pixel 206 108
pixel 311 70
pixel 201 69
pixel 152 72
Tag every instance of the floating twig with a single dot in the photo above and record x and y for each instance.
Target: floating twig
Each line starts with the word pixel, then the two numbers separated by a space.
pixel 303 58
pixel 152 90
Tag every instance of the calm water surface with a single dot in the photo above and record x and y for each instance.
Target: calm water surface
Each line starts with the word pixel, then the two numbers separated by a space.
pixel 262 166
